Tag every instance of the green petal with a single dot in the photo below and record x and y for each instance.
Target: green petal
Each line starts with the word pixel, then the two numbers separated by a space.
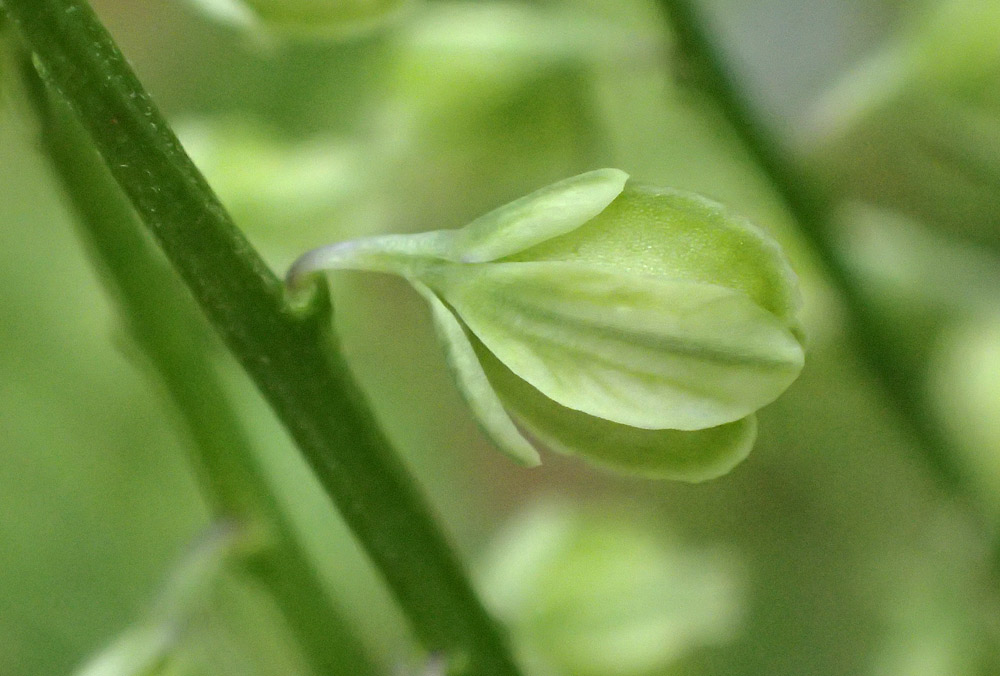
pixel 552 211
pixel 634 349
pixel 661 454
pixel 475 387
pixel 546 213
pixel 680 235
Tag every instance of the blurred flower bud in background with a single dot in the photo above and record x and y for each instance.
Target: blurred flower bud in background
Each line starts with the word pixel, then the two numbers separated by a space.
pixel 496 98
pixel 304 18
pixel 281 191
pixel 206 619
pixel 608 595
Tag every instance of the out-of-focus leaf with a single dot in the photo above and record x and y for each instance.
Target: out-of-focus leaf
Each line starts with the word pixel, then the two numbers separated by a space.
pixel 304 18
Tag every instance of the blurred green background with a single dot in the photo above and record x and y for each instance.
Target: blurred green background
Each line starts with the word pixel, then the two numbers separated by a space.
pixel 831 550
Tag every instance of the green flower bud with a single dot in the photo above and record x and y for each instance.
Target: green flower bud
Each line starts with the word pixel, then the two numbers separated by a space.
pixel 636 326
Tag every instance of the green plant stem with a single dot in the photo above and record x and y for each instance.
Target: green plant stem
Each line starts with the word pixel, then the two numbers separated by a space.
pixel 163 324
pixel 813 209
pixel 288 352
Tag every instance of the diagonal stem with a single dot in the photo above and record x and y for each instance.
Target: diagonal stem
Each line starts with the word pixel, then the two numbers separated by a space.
pixel 813 209
pixel 163 324
pixel 287 352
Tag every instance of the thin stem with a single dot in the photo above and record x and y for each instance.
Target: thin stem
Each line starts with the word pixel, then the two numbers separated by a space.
pixel 702 60
pixel 163 324
pixel 287 352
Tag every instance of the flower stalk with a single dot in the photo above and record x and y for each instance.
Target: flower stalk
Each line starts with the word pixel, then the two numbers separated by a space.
pixel 288 352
